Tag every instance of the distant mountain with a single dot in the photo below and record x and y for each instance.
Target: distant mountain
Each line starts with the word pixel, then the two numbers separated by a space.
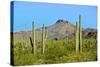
pixel 61 29
pixel 90 33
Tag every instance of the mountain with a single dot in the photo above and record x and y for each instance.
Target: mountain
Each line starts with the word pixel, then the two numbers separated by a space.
pixel 90 33
pixel 59 30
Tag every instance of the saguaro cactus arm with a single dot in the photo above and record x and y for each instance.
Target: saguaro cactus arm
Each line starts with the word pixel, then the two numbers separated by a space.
pixel 46 33
pixel 31 44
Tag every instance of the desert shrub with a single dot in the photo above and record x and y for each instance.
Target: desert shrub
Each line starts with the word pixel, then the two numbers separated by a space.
pixel 56 51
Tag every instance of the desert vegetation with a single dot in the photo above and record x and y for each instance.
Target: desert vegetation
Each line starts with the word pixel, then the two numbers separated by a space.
pixel 50 51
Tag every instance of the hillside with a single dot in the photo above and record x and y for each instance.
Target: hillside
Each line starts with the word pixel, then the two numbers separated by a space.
pixel 60 29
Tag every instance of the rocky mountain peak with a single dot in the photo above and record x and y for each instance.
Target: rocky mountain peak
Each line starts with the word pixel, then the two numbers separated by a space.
pixel 61 21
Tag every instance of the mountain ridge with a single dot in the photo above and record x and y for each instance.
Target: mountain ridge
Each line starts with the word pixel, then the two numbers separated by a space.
pixel 60 29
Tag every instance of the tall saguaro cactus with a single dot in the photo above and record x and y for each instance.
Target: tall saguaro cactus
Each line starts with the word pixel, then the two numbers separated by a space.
pixel 33 37
pixel 77 37
pixel 43 40
pixel 80 33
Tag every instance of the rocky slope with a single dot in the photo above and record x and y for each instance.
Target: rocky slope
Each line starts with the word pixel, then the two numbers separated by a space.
pixel 61 29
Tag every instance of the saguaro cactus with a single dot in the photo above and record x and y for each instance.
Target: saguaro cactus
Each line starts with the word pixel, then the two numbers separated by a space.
pixel 31 44
pixel 77 38
pixel 80 33
pixel 46 33
pixel 33 38
pixel 43 43
pixel 66 38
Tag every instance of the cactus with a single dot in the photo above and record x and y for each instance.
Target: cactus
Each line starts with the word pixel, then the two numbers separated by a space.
pixel 46 33
pixel 77 38
pixel 33 38
pixel 31 44
pixel 66 38
pixel 43 43
pixel 80 33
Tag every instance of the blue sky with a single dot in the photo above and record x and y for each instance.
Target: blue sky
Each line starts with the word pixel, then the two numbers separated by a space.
pixel 48 14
